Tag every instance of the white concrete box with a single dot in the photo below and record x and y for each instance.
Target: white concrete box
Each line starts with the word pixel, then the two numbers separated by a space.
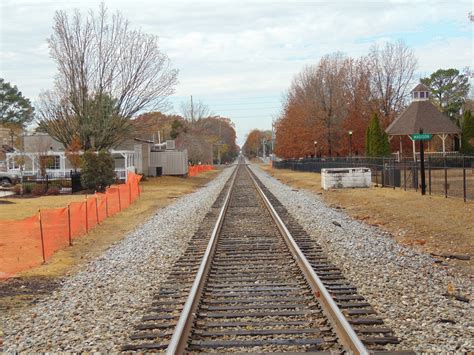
pixel 338 178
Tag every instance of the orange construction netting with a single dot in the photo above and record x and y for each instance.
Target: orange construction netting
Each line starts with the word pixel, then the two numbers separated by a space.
pixel 33 240
pixel 196 169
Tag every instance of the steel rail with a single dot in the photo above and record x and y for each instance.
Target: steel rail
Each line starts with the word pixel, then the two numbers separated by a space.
pixel 343 329
pixel 181 332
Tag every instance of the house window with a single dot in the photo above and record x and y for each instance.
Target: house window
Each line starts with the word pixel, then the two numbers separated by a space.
pixel 415 95
pixel 55 162
pixel 422 95
pixel 51 161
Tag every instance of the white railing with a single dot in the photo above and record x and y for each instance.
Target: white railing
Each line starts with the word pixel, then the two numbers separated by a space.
pixel 121 173
pixel 438 154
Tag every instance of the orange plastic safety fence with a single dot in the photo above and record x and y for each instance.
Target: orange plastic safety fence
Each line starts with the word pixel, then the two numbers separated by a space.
pixel 55 227
pixel 113 201
pixel 92 213
pixel 29 242
pixel 78 219
pixel 102 206
pixel 20 245
pixel 196 169
pixel 125 198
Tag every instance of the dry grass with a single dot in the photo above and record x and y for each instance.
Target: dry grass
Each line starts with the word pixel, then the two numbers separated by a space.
pixel 19 208
pixel 430 223
pixel 157 193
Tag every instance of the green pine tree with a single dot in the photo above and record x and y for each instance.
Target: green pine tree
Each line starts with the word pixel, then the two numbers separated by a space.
pixel 376 140
pixel 14 107
pixel 467 140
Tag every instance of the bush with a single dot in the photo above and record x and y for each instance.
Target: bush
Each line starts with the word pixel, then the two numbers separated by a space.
pixel 38 190
pixel 27 187
pixel 17 189
pixel 98 170
pixel 53 190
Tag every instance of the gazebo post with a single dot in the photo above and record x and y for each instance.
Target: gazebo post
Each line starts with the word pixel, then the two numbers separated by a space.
pixel 443 139
pixel 401 148
pixel 414 148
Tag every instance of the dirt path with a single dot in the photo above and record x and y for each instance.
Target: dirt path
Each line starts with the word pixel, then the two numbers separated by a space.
pixel 432 224
pixel 25 289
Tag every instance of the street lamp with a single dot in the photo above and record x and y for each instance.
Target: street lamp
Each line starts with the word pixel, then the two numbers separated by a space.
pixel 315 148
pixel 350 144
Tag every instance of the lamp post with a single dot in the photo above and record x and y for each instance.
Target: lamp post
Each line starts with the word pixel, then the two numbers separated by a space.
pixel 350 144
pixel 315 148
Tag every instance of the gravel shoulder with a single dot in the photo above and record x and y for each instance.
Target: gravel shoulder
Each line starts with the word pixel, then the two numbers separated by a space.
pixel 433 224
pixel 96 308
pixel 412 291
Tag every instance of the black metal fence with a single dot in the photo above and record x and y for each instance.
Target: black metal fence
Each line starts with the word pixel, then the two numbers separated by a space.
pixel 69 182
pixel 449 176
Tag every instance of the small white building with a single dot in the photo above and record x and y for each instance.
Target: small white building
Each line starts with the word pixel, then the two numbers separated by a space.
pixel 143 157
pixel 40 146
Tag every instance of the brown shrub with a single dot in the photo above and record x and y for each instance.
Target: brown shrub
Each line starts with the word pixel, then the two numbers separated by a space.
pixel 38 190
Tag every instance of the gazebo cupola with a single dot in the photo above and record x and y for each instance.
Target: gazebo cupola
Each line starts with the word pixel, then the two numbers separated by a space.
pixel 420 93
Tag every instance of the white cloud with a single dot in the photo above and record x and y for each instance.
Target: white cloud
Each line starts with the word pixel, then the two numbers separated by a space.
pixel 234 47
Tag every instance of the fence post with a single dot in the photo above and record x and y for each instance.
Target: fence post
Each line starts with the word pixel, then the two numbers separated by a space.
pixel 69 224
pixel 120 202
pixel 405 174
pixel 87 219
pixel 96 209
pixel 383 172
pixel 415 174
pixel 445 177
pixel 464 177
pixel 106 205
pixel 42 236
pixel 429 174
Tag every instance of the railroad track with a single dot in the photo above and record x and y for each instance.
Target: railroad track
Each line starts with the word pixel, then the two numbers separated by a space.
pixel 257 283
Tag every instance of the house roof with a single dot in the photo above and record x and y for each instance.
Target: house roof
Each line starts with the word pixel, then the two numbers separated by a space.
pixel 422 114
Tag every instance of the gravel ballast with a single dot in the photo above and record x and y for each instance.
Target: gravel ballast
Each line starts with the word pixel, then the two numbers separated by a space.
pixel 96 309
pixel 406 287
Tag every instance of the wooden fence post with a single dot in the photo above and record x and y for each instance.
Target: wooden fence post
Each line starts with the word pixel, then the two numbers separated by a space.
pixel 106 205
pixel 42 236
pixel 96 209
pixel 120 202
pixel 87 219
pixel 69 224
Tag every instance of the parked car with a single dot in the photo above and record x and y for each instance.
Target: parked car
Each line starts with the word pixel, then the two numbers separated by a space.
pixel 7 178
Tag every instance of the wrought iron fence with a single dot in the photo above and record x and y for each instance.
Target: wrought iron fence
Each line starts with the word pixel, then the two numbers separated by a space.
pixel 451 176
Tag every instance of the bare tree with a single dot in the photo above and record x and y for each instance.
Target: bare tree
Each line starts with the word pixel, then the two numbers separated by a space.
pixel 194 111
pixel 107 73
pixel 392 69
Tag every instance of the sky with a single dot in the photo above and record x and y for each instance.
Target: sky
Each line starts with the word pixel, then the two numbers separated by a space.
pixel 239 57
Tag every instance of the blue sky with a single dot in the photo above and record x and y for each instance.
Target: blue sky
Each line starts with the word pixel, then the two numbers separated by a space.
pixel 239 57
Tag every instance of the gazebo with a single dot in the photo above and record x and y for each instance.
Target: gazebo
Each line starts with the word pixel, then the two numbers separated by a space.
pixel 422 114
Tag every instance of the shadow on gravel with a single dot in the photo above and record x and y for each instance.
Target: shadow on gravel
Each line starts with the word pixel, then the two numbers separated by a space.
pixel 25 291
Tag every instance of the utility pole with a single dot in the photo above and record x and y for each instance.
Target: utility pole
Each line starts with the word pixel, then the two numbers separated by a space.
pixel 192 109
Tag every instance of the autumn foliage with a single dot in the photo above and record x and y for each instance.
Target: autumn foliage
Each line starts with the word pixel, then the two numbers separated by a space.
pixel 254 143
pixel 339 95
